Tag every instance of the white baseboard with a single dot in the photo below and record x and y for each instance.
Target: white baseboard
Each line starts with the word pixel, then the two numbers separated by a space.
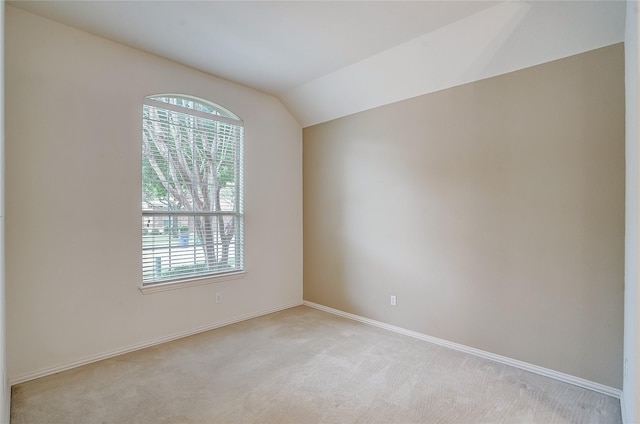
pixel 52 370
pixel 576 381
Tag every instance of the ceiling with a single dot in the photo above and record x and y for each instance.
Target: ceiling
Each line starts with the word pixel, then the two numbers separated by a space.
pixel 327 59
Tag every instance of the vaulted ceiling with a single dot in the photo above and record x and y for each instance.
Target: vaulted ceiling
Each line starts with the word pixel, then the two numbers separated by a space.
pixel 327 59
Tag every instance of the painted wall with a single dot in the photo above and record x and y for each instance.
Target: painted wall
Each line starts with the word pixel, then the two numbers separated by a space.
pixel 5 401
pixel 502 38
pixel 494 211
pixel 631 392
pixel 73 149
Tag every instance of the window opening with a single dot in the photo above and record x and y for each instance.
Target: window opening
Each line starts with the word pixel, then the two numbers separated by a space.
pixel 191 189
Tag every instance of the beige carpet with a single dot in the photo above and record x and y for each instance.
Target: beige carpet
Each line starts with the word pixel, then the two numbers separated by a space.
pixel 303 366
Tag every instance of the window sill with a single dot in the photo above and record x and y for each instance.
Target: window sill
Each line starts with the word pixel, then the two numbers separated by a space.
pixel 173 285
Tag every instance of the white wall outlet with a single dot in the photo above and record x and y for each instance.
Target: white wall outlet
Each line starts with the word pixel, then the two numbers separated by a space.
pixel 626 369
pixel 393 301
pixel 218 297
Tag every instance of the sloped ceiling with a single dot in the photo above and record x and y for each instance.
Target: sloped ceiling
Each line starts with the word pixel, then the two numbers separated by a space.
pixel 326 59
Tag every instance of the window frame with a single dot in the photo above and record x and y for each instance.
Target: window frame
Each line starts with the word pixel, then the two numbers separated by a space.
pixel 212 114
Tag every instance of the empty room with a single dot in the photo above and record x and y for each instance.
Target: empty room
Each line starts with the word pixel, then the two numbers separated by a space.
pixel 320 212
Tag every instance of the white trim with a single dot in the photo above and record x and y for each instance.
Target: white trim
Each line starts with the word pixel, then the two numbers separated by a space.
pixel 175 108
pixel 95 358
pixel 181 284
pixel 576 381
pixel 623 410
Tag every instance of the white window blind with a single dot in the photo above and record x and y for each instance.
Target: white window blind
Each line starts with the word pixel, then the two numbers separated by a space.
pixel 191 189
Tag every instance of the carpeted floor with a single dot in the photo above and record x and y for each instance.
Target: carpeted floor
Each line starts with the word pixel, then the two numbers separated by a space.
pixel 303 366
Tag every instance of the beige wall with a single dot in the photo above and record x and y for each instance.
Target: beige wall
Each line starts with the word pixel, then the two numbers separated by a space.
pixel 73 143
pixel 494 211
pixel 5 398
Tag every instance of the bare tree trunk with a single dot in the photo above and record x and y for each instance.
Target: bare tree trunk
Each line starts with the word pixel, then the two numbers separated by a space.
pixel 226 236
pixel 225 232
pixel 204 229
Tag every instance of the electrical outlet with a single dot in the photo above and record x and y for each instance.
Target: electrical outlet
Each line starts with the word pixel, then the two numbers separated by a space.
pixel 218 297
pixel 393 301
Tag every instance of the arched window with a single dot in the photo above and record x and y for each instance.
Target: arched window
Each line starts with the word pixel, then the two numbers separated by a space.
pixel 191 189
